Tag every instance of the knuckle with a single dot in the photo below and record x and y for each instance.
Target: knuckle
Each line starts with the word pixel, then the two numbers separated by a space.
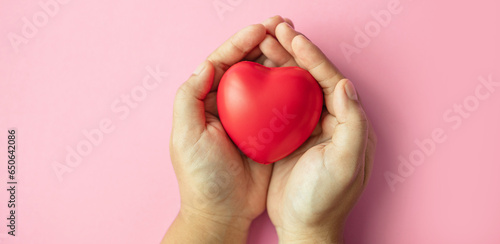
pixel 359 124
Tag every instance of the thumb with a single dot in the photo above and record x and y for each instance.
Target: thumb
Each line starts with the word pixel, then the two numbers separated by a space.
pixel 349 137
pixel 189 108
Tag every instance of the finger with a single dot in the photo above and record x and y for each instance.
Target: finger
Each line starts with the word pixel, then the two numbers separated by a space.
pixel 269 63
pixel 271 24
pixel 189 109
pixel 254 54
pixel 345 155
pixel 262 60
pixel 328 125
pixel 290 22
pixel 235 49
pixel 285 34
pixel 211 104
pixel 310 57
pixel 273 50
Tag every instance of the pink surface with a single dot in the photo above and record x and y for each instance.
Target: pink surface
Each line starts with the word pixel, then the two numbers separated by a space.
pixel 73 75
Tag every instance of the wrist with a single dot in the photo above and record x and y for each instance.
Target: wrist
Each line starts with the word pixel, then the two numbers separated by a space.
pixel 320 235
pixel 215 228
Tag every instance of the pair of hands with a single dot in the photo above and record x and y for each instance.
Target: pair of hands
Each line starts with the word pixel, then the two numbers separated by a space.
pixel 309 193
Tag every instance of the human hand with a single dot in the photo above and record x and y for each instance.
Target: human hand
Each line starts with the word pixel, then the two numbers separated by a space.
pixel 313 189
pixel 221 189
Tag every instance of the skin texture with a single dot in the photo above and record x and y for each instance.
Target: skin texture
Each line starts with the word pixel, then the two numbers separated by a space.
pixel 308 194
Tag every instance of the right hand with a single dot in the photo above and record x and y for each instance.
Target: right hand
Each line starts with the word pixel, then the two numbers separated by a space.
pixel 313 189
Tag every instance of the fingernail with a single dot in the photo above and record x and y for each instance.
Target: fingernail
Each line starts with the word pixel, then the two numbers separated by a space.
pixel 304 36
pixel 289 21
pixel 350 90
pixel 200 68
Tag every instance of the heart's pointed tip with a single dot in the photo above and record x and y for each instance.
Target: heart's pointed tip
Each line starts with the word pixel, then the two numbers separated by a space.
pixel 267 163
pixel 263 161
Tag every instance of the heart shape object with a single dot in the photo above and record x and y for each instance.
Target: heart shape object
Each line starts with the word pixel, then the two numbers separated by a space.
pixel 268 112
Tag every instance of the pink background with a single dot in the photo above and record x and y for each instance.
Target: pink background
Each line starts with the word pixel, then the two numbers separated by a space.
pixel 67 76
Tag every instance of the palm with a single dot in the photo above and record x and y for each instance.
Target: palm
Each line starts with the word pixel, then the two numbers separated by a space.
pixel 292 176
pixel 238 181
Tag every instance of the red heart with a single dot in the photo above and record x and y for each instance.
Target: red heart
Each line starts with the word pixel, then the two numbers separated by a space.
pixel 268 112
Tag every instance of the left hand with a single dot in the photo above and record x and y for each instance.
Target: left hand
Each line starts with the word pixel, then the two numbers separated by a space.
pixel 222 190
